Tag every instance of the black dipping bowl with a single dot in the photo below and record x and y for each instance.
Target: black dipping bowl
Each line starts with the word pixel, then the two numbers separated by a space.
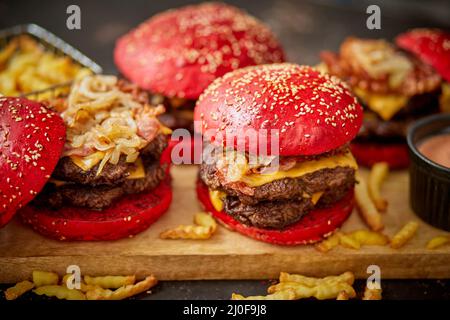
pixel 429 188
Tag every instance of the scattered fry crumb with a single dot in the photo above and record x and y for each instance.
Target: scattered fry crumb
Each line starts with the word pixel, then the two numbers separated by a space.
pixel 372 294
pixel 18 290
pixel 205 227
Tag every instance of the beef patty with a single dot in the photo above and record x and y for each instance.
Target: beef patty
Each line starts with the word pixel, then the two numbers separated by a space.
pixel 98 197
pixel 280 203
pixel 112 174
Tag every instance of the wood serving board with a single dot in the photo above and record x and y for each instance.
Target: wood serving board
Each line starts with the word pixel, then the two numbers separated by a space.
pixel 227 255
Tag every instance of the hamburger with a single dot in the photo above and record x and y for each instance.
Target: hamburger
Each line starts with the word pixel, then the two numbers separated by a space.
pixel 176 54
pixel 105 179
pixel 395 89
pixel 311 118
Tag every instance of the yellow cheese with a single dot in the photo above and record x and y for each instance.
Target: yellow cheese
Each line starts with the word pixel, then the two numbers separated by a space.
pixel 316 196
pixel 385 105
pixel 88 162
pixel 165 130
pixel 444 100
pixel 216 198
pixel 139 171
pixel 302 168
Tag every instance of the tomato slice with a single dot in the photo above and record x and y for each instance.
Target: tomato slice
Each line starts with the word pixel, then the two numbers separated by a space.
pixel 129 216
pixel 313 227
pixel 367 154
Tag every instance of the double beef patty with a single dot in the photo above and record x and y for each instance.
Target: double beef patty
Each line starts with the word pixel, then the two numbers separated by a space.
pixel 85 189
pixel 280 203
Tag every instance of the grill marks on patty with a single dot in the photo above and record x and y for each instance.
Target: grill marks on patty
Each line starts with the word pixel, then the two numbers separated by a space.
pixel 85 189
pixel 281 202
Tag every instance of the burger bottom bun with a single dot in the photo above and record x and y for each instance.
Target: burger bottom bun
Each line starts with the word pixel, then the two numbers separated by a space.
pixel 367 154
pixel 313 227
pixel 129 216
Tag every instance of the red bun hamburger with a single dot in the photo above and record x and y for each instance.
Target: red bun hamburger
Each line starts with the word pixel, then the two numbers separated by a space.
pixel 29 151
pixel 430 45
pixel 309 193
pixel 394 88
pixel 176 54
pixel 109 180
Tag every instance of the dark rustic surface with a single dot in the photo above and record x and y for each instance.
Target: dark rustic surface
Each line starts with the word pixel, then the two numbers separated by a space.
pixel 304 27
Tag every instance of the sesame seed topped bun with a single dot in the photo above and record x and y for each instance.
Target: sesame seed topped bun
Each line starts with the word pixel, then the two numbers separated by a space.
pixel 430 45
pixel 314 113
pixel 31 141
pixel 178 53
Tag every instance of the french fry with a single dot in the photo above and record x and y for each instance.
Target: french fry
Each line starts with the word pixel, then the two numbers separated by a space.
pixel 109 282
pixel 44 278
pixel 366 207
pixel 287 294
pixel 343 296
pixel 205 228
pixel 60 292
pixel 369 238
pixel 18 290
pixel 205 220
pixel 404 235
pixel 328 244
pixel 372 294
pixel 346 277
pixel 122 292
pixel 322 291
pixel 348 242
pixel 437 242
pixel 83 286
pixel 377 175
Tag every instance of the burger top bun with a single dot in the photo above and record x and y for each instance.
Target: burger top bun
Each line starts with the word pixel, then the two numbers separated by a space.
pixel 180 52
pixel 430 45
pixel 31 141
pixel 312 112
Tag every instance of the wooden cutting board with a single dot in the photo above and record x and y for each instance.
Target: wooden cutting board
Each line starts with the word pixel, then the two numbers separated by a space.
pixel 227 255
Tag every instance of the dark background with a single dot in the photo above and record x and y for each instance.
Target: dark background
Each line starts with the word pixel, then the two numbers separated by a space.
pixel 304 27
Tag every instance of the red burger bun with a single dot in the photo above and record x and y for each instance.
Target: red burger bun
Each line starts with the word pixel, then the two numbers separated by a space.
pixel 313 112
pixel 367 154
pixel 430 45
pixel 127 217
pixel 313 227
pixel 31 141
pixel 180 52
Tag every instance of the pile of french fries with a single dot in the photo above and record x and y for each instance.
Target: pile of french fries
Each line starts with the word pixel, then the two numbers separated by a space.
pixel 295 287
pixel 370 204
pixel 25 66
pixel 92 288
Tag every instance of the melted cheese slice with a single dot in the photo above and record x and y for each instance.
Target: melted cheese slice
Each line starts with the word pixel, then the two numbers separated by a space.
pixel 216 198
pixel 386 106
pixel 316 197
pixel 302 168
pixel 88 162
pixel 256 180
pixel 138 172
